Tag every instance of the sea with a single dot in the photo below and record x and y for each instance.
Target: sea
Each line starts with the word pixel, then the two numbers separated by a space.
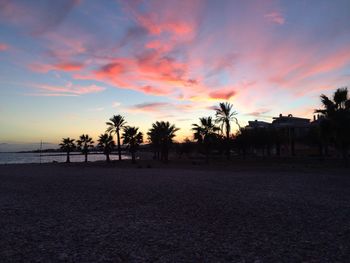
pixel 19 157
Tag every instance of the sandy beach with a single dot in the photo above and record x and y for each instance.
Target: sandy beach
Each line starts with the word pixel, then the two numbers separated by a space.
pixel 107 213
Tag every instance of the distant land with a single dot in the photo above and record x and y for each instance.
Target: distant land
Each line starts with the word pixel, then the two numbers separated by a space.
pixel 31 146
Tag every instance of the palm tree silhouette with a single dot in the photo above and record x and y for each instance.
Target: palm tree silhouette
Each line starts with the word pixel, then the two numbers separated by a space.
pixel 205 133
pixel 161 136
pixel 225 115
pixel 133 138
pixel 154 138
pixel 84 143
pixel 337 113
pixel 116 123
pixel 106 144
pixel 67 145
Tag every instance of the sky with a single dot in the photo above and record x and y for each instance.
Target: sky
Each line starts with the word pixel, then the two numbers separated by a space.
pixel 67 66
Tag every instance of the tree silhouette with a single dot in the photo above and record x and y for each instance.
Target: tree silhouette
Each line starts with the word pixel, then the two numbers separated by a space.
pixel 68 146
pixel 106 144
pixel 224 116
pixel 205 133
pixel 133 138
pixel 84 143
pixel 161 137
pixel 116 123
pixel 337 113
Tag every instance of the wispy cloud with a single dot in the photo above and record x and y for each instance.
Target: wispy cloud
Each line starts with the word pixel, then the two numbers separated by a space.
pixel 116 104
pixel 275 17
pixel 67 90
pixel 97 109
pixel 3 47
pixel 149 107
pixel 63 66
pixel 36 19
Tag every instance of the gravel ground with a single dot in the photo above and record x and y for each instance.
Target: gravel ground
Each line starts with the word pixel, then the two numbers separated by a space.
pixel 96 213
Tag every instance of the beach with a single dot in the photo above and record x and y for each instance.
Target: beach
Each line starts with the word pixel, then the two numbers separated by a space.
pixel 99 212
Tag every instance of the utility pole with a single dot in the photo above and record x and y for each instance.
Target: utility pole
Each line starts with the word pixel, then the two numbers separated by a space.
pixel 41 147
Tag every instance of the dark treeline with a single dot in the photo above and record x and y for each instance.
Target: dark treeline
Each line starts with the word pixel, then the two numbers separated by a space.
pixel 327 135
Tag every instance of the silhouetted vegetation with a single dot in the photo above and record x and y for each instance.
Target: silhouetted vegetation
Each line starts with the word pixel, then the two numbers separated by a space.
pixel 85 143
pixel 106 144
pixel 115 124
pixel 68 146
pixel 161 137
pixel 224 116
pixel 212 136
pixel 132 138
pixel 205 133
pixel 335 123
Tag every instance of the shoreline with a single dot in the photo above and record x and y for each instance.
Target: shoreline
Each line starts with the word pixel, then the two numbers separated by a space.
pixel 234 165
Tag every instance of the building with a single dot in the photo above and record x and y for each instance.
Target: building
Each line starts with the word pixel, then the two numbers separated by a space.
pixel 257 124
pixel 286 132
pixel 298 126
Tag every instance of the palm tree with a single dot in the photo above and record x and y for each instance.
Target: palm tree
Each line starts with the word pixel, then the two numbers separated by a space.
pixel 106 144
pixel 116 123
pixel 337 113
pixel 154 138
pixel 205 133
pixel 84 143
pixel 68 146
pixel 161 136
pixel 225 115
pixel 133 138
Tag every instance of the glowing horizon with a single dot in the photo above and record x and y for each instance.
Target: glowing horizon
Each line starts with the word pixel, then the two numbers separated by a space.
pixel 67 66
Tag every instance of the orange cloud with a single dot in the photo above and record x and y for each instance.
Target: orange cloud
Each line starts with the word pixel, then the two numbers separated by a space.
pixel 64 66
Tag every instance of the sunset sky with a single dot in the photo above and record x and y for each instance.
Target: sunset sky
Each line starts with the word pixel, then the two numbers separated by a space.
pixel 67 66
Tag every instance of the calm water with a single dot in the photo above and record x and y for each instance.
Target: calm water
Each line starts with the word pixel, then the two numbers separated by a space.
pixel 7 158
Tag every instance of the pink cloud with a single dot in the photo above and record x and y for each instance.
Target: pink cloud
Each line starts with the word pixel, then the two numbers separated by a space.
pixel 275 17
pixel 153 90
pixel 149 107
pixel 67 90
pixel 42 94
pixel 222 94
pixel 161 109
pixel 259 113
pixel 3 47
pixel 150 72
pixel 168 20
pixel 301 65
pixel 63 66
pixel 65 46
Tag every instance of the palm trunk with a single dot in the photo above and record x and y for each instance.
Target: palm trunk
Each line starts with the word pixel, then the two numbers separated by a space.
pixel 86 157
pixel 107 158
pixel 207 155
pixel 68 157
pixel 133 157
pixel 227 142
pixel 119 150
